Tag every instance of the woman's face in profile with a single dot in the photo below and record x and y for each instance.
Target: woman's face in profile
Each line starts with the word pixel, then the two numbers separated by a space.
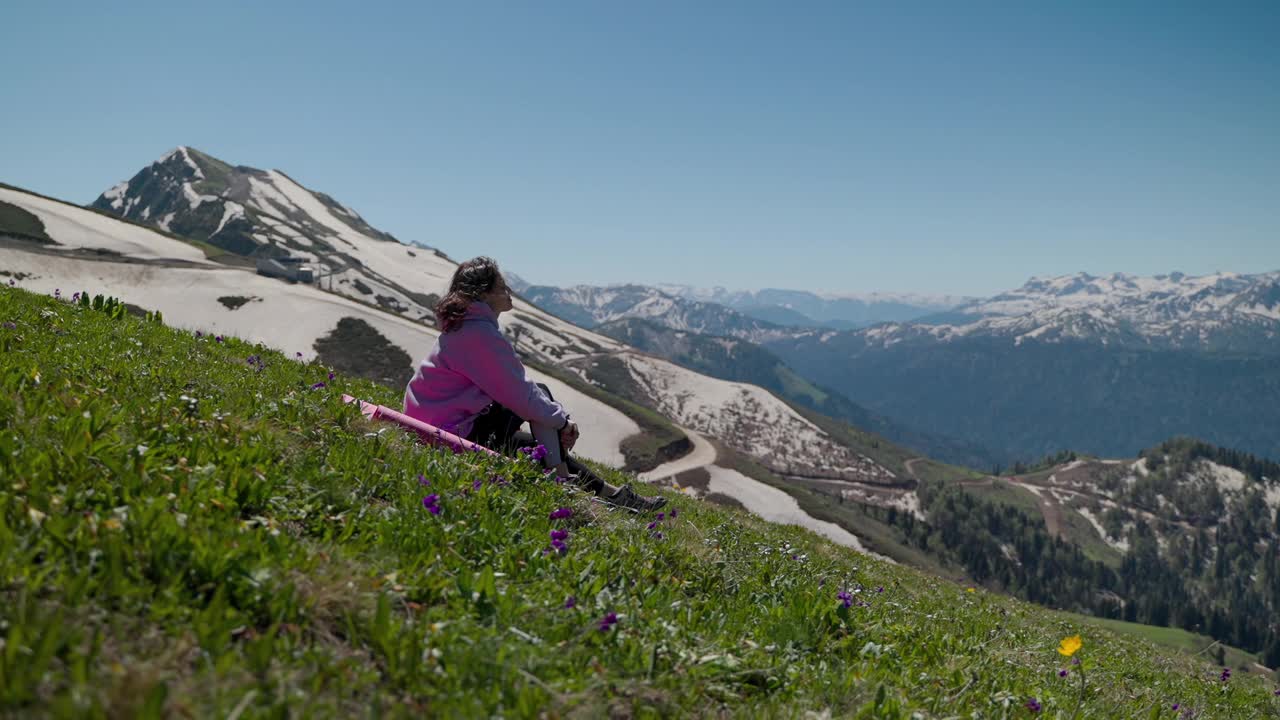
pixel 499 296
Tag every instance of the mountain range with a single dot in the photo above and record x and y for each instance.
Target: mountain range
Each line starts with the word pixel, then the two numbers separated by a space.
pixel 1091 534
pixel 1105 365
pixel 805 308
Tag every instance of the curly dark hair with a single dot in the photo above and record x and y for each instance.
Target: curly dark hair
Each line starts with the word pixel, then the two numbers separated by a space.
pixel 472 279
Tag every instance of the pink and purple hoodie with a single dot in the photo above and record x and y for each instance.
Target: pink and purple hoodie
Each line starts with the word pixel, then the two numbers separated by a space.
pixel 466 370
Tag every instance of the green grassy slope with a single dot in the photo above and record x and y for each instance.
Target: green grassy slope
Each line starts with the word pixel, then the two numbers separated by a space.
pixel 1183 640
pixel 186 533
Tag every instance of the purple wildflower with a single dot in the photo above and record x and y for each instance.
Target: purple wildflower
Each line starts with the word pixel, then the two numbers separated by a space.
pixel 11 282
pixel 673 513
pixel 558 537
pixel 330 376
pixel 1063 672
pixel 651 526
pixel 845 598
pixel 560 513
pixel 57 292
pixel 298 354
pixel 432 503
pixel 570 603
pixel 317 386
pixel 199 334
pixel 11 326
pixel 661 517
pixel 1226 674
pixel 476 484
pixel 537 452
pixel 1075 661
pixel 1277 692
pixel 218 338
pixel 1175 707
pixel 75 297
pixel 1033 705
pixel 608 621
pixel 657 536
pixel 422 479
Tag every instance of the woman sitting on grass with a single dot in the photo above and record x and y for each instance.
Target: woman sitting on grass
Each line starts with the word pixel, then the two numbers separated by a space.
pixel 473 384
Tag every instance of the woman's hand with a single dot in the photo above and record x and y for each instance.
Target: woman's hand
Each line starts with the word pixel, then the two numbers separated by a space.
pixel 569 435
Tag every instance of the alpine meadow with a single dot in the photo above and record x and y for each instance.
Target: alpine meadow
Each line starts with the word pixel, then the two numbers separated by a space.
pixel 194 525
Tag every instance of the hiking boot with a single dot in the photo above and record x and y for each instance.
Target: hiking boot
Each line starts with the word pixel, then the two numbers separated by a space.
pixel 627 498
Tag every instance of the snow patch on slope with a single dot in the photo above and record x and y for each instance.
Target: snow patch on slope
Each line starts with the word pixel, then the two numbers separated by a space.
pixel 76 228
pixel 776 506
pixel 230 211
pixel 750 419
pixel 1122 544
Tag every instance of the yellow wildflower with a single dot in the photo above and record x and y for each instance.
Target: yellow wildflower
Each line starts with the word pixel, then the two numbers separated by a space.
pixel 1070 645
pixel 112 524
pixel 970 590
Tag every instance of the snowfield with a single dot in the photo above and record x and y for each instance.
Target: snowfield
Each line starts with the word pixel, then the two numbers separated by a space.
pixel 764 501
pixel 1122 545
pixel 751 420
pixel 603 428
pixel 76 228
pixel 776 506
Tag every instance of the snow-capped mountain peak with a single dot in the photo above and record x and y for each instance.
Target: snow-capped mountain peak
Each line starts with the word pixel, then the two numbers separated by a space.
pixel 1221 311
pixel 266 213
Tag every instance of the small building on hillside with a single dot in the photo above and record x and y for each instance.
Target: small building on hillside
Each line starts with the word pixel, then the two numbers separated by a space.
pixel 286 268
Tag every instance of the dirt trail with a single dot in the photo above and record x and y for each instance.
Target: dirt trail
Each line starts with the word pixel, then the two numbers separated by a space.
pixel 702 455
pixel 910 466
pixel 1048 506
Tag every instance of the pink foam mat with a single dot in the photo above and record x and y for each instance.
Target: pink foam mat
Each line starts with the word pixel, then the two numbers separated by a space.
pixel 427 433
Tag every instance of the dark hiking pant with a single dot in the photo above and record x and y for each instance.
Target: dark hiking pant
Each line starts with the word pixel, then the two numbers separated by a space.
pixel 498 428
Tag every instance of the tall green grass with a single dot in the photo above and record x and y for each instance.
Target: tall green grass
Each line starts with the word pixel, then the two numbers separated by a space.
pixel 196 528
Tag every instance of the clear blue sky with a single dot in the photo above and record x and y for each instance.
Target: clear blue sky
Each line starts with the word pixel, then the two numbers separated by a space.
pixel 956 147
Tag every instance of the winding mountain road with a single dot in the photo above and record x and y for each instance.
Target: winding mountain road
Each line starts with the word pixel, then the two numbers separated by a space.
pixel 703 454
pixel 761 499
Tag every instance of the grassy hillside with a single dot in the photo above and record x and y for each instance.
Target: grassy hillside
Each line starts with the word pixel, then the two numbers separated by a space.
pixel 198 528
pixel 1182 640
